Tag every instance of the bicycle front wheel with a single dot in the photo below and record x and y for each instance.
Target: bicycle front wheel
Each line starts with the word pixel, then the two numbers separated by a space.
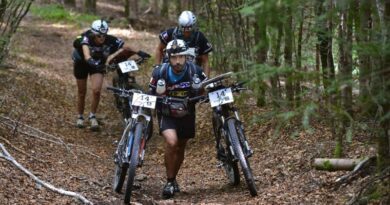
pixel 119 176
pixel 133 161
pixel 247 171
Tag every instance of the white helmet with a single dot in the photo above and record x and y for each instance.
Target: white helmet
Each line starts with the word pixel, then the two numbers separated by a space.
pixel 99 27
pixel 186 19
pixel 177 47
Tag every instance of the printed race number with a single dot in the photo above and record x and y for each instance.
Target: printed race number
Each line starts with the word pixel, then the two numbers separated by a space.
pixel 221 97
pixel 144 100
pixel 128 66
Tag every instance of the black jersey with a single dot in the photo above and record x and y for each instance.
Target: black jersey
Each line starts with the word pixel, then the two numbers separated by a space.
pixel 100 52
pixel 197 40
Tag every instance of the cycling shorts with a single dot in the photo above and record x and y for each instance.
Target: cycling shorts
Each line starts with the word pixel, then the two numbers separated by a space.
pixel 81 70
pixel 184 126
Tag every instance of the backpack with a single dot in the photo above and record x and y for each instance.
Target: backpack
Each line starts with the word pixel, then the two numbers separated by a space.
pixel 79 38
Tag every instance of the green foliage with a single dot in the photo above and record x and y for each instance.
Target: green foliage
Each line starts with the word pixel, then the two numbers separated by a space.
pixel 58 13
pixel 338 150
pixel 51 12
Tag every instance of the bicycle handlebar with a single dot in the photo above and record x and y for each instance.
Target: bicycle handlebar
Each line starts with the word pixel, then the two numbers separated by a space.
pixel 167 99
pixel 215 79
pixel 163 99
pixel 138 61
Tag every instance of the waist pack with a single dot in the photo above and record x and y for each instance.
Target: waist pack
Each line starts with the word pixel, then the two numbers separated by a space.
pixel 175 109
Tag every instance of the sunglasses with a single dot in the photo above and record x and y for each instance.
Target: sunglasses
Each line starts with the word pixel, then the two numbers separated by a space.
pixel 186 28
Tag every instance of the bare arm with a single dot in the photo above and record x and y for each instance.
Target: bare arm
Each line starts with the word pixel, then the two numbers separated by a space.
pixel 86 52
pixel 204 60
pixel 112 56
pixel 159 53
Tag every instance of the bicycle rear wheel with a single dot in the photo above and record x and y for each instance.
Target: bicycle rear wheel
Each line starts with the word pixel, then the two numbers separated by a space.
pixel 237 147
pixel 133 161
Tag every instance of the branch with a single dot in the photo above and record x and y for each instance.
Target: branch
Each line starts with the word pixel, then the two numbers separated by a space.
pixel 19 150
pixel 4 154
pixel 17 126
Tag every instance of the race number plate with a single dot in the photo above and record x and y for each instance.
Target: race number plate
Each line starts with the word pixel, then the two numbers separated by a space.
pixel 143 100
pixel 128 66
pixel 221 97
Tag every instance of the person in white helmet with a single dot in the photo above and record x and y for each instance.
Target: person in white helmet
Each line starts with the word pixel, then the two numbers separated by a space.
pixel 177 78
pixel 92 51
pixel 188 31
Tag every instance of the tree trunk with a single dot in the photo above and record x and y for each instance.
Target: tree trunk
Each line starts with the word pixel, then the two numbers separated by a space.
pixel 12 13
pixel 363 36
pixel 288 49
pixel 90 6
pixel 345 45
pixel 178 7
pixel 381 88
pixel 127 8
pixel 3 6
pixel 164 8
pixel 298 66
pixel 70 3
pixel 335 164
pixel 275 82
pixel 260 35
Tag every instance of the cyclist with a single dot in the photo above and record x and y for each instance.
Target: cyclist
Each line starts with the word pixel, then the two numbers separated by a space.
pixel 93 50
pixel 177 120
pixel 188 31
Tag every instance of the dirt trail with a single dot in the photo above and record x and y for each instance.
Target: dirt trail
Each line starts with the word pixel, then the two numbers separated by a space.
pixel 41 92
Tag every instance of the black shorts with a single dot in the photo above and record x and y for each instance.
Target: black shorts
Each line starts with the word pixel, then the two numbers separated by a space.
pixel 81 70
pixel 185 126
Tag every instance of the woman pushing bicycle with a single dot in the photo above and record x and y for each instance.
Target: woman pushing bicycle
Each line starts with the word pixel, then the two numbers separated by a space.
pixel 92 51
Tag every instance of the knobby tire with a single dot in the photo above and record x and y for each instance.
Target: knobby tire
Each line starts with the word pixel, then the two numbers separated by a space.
pixel 120 176
pixel 133 161
pixel 230 166
pixel 232 127
pixel 121 167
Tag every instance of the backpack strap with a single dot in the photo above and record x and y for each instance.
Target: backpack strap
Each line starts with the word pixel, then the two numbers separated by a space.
pixel 163 72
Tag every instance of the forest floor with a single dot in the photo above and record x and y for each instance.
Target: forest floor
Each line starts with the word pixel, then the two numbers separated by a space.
pixel 39 90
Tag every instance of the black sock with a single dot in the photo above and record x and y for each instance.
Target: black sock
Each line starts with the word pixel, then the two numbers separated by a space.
pixel 171 179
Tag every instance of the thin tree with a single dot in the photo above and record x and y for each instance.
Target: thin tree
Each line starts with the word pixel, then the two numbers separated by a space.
pixel 12 12
pixel 90 6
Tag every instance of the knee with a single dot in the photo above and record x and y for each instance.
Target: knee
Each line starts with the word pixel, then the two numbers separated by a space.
pixel 96 92
pixel 172 145
pixel 82 93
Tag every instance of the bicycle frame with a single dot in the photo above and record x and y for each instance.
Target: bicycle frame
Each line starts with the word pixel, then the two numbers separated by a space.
pixel 231 143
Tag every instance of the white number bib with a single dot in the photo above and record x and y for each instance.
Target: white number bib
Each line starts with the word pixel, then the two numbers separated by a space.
pixel 128 66
pixel 144 100
pixel 221 97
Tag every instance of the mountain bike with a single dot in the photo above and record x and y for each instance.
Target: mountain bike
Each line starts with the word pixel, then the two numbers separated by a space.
pixel 231 143
pixel 125 80
pixel 130 151
pixel 131 148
